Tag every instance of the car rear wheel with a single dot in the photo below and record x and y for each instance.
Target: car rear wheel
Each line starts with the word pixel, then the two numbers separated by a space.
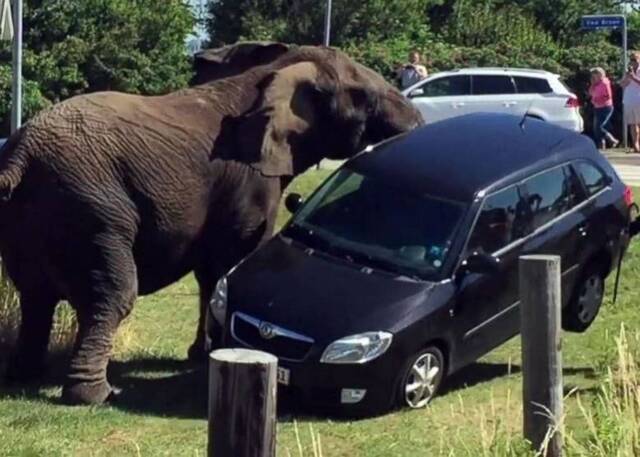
pixel 421 378
pixel 586 300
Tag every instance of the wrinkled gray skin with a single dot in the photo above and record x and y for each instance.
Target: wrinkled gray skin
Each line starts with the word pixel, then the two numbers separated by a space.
pixel 110 196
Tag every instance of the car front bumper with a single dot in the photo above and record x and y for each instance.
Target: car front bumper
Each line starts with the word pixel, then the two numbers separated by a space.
pixel 352 389
pixel 330 388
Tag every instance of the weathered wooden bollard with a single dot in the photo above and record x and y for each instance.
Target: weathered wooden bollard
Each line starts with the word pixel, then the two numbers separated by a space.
pixel 242 403
pixel 540 312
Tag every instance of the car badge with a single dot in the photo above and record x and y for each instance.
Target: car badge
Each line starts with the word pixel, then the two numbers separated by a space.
pixel 266 331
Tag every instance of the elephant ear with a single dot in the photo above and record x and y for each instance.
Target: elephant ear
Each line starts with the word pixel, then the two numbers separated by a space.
pixel 218 63
pixel 266 135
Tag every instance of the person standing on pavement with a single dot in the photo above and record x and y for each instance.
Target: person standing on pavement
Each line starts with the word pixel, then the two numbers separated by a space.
pixel 602 101
pixel 631 99
pixel 413 72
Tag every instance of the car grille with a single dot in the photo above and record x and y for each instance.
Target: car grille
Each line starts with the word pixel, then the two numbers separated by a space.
pixel 268 337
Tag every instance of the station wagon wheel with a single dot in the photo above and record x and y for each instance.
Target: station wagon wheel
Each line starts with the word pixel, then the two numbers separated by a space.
pixel 422 377
pixel 586 300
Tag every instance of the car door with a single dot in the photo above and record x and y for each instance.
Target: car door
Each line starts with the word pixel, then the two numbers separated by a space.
pixel 442 97
pixel 535 97
pixel 486 307
pixel 594 230
pixel 494 94
pixel 558 224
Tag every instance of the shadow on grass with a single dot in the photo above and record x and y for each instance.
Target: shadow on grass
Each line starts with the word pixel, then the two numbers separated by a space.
pixel 481 372
pixel 176 388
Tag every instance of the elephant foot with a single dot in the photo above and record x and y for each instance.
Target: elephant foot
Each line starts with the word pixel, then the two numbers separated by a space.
pixel 197 353
pixel 89 393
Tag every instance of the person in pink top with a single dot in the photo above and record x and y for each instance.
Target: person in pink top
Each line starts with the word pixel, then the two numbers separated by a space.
pixel 602 101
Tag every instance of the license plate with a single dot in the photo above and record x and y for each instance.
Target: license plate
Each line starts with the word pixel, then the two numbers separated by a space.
pixel 283 376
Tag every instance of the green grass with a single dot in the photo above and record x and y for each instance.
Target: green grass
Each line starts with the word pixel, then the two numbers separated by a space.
pixel 162 412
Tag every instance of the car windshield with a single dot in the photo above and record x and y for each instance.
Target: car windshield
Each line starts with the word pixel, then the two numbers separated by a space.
pixel 366 220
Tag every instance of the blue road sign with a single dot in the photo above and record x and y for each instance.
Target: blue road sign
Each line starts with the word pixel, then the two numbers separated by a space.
pixel 602 22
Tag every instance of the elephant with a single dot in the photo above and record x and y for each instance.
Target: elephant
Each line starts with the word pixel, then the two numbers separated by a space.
pixel 108 196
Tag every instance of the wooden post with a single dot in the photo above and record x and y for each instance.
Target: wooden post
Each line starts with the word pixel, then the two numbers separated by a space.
pixel 242 403
pixel 540 313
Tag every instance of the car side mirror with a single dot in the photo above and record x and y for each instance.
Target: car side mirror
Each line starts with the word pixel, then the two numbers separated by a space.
pixel 480 263
pixel 293 202
pixel 416 92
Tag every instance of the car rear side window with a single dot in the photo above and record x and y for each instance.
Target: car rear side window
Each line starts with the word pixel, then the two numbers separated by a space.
pixel 527 85
pixel 447 87
pixel 503 219
pixel 594 179
pixel 492 85
pixel 551 194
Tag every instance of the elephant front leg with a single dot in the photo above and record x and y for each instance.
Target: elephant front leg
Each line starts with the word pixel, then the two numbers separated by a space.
pixel 197 352
pixel 222 258
pixel 37 307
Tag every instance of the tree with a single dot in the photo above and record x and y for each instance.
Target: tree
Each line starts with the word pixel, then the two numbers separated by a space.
pixel 301 21
pixel 78 46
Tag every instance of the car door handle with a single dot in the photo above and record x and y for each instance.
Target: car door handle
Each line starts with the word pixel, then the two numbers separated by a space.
pixel 583 229
pixel 458 104
pixel 510 104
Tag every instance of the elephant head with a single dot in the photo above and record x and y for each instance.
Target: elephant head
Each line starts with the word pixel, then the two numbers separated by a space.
pixel 307 104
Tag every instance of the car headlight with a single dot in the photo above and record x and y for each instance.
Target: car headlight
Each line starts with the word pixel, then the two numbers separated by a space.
pixel 360 348
pixel 218 302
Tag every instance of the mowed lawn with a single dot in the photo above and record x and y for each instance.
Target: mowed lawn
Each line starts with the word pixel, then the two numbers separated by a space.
pixel 163 409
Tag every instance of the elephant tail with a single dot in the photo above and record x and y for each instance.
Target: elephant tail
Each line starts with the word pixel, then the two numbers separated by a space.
pixel 13 165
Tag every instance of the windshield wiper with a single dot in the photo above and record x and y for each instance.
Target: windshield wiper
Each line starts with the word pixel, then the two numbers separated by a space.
pixel 313 240
pixel 309 237
pixel 384 264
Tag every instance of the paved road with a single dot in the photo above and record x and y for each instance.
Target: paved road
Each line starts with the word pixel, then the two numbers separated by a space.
pixel 627 166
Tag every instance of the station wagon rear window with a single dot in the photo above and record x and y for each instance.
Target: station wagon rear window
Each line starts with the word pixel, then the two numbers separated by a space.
pixel 551 194
pixel 593 179
pixel 527 85
pixel 369 221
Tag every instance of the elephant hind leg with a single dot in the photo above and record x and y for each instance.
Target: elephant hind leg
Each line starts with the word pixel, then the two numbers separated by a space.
pixel 103 297
pixel 37 306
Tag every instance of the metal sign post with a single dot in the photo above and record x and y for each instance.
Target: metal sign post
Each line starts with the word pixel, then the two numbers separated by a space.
pixel 16 93
pixel 327 24
pixel 612 21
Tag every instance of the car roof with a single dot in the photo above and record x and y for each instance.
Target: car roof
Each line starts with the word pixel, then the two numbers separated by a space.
pixel 460 157
pixel 497 71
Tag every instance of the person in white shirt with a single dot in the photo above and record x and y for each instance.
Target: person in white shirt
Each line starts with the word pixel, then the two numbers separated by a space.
pixel 631 99
pixel 413 72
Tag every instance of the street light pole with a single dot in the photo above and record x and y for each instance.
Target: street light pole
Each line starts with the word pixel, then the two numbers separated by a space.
pixel 327 25
pixel 16 94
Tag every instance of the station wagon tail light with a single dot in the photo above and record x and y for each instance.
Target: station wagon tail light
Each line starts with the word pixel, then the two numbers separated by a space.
pixel 628 195
pixel 572 102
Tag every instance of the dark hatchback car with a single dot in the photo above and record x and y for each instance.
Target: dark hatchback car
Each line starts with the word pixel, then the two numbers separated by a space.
pixel 403 266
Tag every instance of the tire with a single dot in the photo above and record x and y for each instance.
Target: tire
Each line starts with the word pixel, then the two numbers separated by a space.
pixel 585 301
pixel 431 363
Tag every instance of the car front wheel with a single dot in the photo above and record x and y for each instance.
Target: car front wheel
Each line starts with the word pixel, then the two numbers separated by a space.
pixel 585 302
pixel 421 378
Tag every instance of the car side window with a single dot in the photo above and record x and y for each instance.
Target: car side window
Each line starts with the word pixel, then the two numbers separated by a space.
pixel 593 178
pixel 526 85
pixel 503 219
pixel 492 85
pixel 550 194
pixel 447 87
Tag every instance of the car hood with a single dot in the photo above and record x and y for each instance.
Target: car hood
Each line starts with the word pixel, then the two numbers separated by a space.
pixel 322 297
